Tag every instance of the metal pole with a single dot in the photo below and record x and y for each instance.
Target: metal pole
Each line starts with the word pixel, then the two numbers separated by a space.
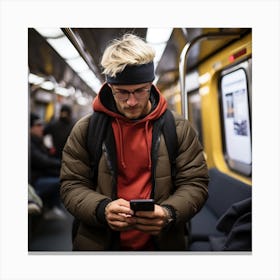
pixel 183 62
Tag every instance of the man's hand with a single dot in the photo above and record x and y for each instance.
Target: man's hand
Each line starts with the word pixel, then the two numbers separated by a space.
pixel 119 215
pixel 151 222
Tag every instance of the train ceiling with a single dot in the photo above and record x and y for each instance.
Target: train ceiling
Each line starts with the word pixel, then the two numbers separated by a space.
pixel 44 61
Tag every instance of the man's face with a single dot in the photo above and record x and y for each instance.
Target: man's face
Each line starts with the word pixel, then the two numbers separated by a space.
pixel 37 130
pixel 132 100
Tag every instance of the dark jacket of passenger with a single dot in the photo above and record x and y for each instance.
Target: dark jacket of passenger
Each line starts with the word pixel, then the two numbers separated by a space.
pixel 41 163
pixel 59 130
pixel 83 199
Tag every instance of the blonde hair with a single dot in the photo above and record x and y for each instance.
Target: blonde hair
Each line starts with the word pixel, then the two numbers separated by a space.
pixel 129 50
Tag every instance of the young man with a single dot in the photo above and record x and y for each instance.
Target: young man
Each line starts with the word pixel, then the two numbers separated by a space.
pixel 134 163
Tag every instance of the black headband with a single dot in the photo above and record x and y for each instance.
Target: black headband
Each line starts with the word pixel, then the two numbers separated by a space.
pixel 133 74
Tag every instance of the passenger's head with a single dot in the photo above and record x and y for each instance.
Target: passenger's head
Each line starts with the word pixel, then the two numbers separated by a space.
pixel 128 60
pixel 65 112
pixel 36 125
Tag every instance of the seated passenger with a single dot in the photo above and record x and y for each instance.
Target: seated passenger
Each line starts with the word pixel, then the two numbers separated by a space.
pixel 44 170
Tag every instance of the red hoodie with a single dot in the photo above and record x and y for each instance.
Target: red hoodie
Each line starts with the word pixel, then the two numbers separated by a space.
pixel 133 145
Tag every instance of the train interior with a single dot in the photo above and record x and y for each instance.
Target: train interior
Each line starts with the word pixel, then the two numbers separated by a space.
pixel 204 73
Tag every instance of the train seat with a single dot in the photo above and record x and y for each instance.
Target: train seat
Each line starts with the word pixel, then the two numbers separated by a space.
pixel 204 225
pixel 224 191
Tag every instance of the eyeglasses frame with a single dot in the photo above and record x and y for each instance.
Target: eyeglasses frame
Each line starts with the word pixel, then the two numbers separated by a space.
pixel 141 95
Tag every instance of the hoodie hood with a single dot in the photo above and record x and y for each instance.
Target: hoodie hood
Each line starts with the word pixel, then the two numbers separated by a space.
pixel 104 102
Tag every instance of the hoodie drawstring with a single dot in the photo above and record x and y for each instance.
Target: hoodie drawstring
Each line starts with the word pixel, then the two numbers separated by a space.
pixel 121 143
pixel 147 144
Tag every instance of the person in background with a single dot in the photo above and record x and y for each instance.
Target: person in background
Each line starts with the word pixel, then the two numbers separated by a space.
pixel 134 163
pixel 44 171
pixel 59 129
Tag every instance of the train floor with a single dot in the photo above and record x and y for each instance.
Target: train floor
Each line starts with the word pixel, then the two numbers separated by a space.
pixel 50 235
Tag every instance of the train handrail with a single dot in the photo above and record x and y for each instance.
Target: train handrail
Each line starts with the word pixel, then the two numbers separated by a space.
pixel 183 64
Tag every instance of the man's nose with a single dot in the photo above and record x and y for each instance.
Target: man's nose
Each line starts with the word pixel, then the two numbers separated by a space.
pixel 131 101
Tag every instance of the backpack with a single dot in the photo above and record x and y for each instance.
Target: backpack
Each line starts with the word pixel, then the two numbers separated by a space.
pixel 97 130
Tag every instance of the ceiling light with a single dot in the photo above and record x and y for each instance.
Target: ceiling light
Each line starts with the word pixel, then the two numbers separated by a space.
pixel 159 49
pixel 91 80
pixel 158 35
pixel 56 38
pixel 62 91
pixel 34 79
pixel 50 32
pixel 158 38
pixel 77 64
pixel 47 85
pixel 64 47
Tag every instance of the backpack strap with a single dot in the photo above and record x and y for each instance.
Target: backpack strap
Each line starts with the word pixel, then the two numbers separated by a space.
pixel 97 129
pixel 166 126
pixel 96 134
pixel 171 140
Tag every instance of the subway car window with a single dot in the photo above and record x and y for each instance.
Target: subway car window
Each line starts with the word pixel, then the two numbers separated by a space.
pixel 236 120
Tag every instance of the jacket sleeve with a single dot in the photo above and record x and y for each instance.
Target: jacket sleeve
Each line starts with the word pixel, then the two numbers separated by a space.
pixel 77 191
pixel 191 183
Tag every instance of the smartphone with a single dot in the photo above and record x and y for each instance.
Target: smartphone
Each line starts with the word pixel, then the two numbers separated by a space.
pixel 142 205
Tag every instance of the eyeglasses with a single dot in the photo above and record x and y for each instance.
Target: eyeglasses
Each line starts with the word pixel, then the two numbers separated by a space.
pixel 123 94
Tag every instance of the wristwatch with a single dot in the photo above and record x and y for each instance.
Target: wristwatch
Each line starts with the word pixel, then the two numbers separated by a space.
pixel 170 217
